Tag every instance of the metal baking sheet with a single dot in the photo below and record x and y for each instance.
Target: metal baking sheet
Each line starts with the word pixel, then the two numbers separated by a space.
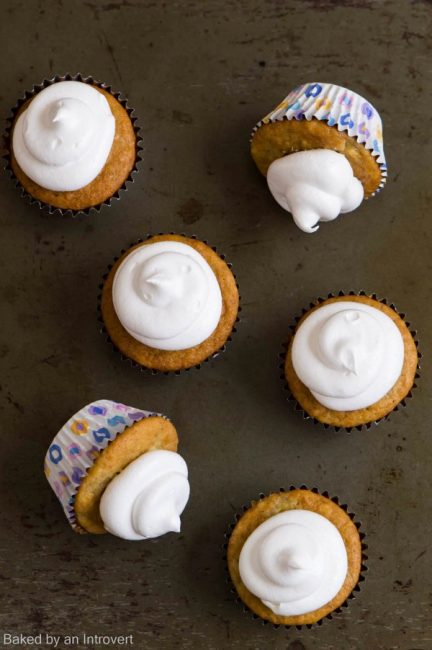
pixel 200 74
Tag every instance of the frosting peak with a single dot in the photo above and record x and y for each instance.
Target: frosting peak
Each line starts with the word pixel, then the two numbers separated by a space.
pixel 168 278
pixel 147 498
pixel 348 354
pixel 63 138
pixel 295 562
pixel 166 296
pixel 352 342
pixel 315 185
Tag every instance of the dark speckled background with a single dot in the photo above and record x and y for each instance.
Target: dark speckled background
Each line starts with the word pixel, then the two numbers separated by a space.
pixel 200 74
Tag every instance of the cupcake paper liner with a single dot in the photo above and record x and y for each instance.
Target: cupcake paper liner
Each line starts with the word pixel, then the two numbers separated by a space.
pixel 359 427
pixel 132 362
pixel 75 447
pixel 340 108
pixel 47 207
pixel 338 610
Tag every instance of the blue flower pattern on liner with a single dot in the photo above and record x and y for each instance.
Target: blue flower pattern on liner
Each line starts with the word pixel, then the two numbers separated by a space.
pixel 55 454
pixel 101 434
pixel 346 120
pixel 313 90
pixel 117 419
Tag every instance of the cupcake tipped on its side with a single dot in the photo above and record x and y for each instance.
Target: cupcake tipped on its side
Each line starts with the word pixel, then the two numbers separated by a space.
pixel 115 468
pixel 322 152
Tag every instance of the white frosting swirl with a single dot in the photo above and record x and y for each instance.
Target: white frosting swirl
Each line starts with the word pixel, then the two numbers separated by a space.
pixel 294 562
pixel 166 296
pixel 63 138
pixel 315 185
pixel 348 354
pixel 147 498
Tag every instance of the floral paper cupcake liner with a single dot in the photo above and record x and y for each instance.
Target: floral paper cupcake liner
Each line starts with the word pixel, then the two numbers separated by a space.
pixel 293 401
pixel 363 569
pixel 134 364
pixel 47 207
pixel 73 450
pixel 342 109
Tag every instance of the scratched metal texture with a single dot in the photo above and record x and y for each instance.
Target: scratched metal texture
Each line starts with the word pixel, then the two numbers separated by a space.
pixel 200 74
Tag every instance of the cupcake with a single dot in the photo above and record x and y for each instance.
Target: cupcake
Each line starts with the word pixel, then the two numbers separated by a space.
pixel 115 469
pixel 72 144
pixel 322 152
pixel 295 557
pixel 169 303
pixel 351 360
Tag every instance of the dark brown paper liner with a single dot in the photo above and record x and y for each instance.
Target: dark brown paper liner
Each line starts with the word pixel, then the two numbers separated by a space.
pixel 359 427
pixel 338 610
pixel 47 207
pixel 132 362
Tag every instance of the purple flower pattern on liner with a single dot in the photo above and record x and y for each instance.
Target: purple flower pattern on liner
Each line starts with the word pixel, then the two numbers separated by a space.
pixel 136 415
pixel 77 475
pixel 363 130
pixel 368 111
pixel 121 407
pixel 79 442
pixel 97 410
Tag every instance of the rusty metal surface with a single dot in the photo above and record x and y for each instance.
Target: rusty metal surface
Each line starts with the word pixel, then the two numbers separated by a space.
pixel 200 74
